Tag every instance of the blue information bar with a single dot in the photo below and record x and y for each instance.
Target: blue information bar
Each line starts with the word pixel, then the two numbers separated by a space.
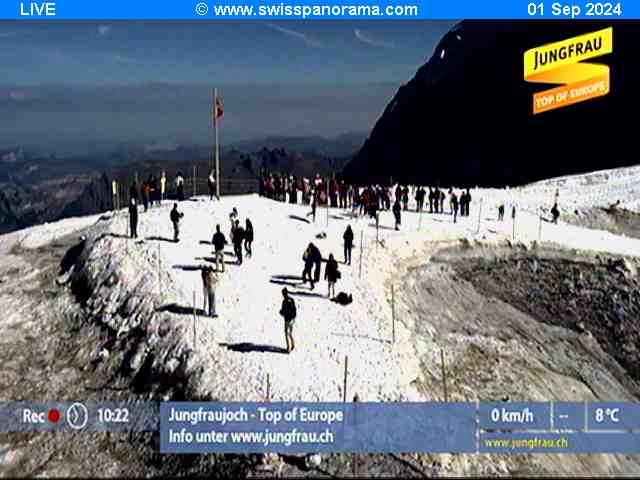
pixel 303 427
pixel 317 9
pixel 317 427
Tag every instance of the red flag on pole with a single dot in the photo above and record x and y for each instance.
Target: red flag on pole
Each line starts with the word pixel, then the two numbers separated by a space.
pixel 217 110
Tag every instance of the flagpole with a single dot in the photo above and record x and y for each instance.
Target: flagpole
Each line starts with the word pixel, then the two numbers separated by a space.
pixel 217 148
pixel 213 113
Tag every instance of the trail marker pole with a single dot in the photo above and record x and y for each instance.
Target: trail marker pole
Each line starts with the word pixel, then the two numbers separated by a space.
pixel 361 248
pixel 346 373
pixel 195 320
pixel 539 227
pixel 217 141
pixel 393 314
pixel 268 388
pixel 356 399
pixel 444 376
pixel 159 279
pixel 513 235
pixel 327 204
pixel 479 215
pixel 194 181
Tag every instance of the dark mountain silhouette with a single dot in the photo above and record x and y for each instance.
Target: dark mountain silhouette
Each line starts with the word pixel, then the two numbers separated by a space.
pixel 465 119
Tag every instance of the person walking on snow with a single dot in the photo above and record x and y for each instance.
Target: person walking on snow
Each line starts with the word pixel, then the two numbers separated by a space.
pixel 454 206
pixel 307 257
pixel 237 239
pixel 233 216
pixel 317 260
pixel 248 238
pixel 555 213
pixel 331 275
pixel 133 191
pixel 209 281
pixel 467 203
pixel 179 181
pixel 218 244
pixel 133 218
pixel 175 220
pixel 397 209
pixel 348 244
pixel 288 313
pixel 314 203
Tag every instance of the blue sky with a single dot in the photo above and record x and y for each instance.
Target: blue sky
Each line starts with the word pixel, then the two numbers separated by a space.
pixel 346 61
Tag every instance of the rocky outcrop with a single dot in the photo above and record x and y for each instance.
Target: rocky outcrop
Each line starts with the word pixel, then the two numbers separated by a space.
pixel 119 291
pixel 95 198
pixel 465 119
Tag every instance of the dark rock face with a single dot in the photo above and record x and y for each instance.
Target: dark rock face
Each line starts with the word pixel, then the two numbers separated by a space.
pixel 95 198
pixel 465 119
pixel 596 295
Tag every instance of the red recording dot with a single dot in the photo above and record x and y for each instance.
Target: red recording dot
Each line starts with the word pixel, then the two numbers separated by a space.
pixel 53 415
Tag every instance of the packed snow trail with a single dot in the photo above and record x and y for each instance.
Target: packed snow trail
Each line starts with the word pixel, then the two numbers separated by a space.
pixel 246 341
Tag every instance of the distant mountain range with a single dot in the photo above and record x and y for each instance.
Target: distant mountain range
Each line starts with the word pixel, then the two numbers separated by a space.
pixel 36 189
pixel 340 146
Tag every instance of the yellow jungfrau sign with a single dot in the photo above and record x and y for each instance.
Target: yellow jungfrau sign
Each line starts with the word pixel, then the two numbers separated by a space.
pixel 560 62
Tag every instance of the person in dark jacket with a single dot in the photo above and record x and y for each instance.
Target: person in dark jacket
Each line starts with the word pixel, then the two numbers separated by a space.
pixel 420 193
pixel 219 241
pixel 467 203
pixel 436 200
pixel 454 205
pixel 175 216
pixel 133 192
pixel 317 261
pixel 405 197
pixel 133 218
pixel 307 257
pixel 555 213
pixel 238 238
pixel 348 244
pixel 180 186
pixel 248 237
pixel 288 313
pixel 331 275
pixel 397 209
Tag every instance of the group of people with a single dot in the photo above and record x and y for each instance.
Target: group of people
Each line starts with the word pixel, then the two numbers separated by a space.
pixel 361 200
pixel 240 238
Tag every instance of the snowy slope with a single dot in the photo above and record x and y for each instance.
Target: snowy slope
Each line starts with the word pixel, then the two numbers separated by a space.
pixel 249 295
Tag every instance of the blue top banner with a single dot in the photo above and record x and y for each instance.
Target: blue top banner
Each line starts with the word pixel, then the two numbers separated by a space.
pixel 318 10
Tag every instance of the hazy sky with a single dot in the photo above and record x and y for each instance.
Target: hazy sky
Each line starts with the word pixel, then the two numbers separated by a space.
pixel 119 81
